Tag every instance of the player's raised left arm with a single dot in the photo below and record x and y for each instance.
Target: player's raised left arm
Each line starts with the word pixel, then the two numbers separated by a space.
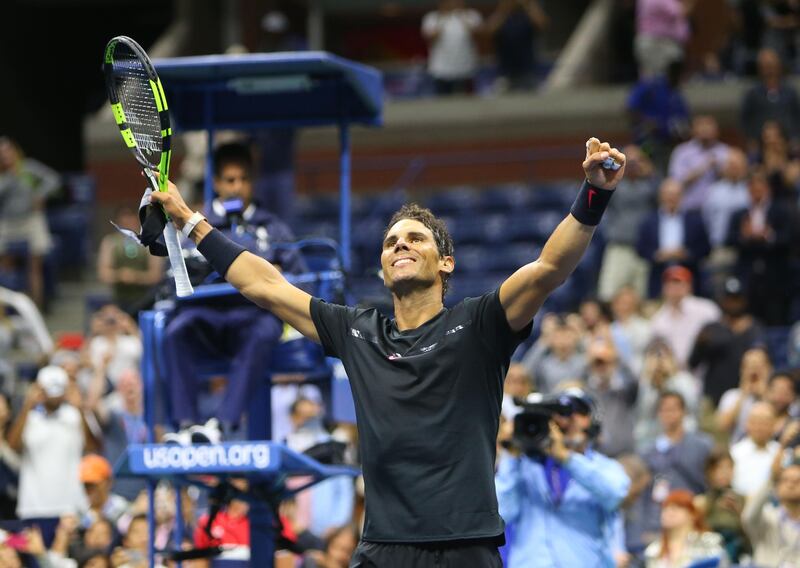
pixel 526 290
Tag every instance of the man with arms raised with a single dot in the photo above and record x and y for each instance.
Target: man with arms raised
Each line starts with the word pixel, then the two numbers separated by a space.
pixel 428 383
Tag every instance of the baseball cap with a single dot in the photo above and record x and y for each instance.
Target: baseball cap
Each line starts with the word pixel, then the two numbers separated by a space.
pixel 53 380
pixel 733 287
pixel 70 341
pixel 94 469
pixel 677 272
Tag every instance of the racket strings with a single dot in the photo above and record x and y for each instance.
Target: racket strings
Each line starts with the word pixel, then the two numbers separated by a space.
pixel 141 112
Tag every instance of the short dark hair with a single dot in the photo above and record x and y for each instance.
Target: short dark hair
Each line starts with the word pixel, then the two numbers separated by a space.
pixel 444 242
pixel 788 374
pixel 717 455
pixel 232 153
pixel 296 404
pixel 671 394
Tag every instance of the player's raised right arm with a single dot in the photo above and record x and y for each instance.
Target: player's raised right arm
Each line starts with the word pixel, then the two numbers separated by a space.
pixel 253 276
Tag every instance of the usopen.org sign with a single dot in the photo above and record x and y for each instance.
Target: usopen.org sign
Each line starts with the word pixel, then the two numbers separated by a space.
pixel 202 458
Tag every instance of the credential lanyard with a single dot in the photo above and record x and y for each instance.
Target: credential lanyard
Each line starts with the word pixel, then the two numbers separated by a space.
pixel 557 479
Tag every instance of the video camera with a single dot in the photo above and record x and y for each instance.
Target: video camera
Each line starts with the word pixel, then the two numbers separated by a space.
pixel 532 425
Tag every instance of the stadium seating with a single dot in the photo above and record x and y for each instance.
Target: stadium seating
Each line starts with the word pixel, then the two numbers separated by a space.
pixel 514 222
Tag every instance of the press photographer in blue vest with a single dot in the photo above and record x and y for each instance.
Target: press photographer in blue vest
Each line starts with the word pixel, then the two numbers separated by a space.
pixel 556 494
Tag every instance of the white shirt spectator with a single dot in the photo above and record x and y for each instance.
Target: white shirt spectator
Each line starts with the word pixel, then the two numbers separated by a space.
pixel 679 327
pixel 752 465
pixel 724 199
pixel 49 481
pixel 727 402
pixel 126 353
pixel 670 231
pixel 453 54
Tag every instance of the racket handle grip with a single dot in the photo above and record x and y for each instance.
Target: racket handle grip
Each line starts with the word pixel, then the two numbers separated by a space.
pixel 183 286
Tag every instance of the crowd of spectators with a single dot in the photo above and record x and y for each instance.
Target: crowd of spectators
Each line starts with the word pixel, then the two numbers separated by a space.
pixel 696 453
pixel 707 463
pixel 646 39
pixel 61 505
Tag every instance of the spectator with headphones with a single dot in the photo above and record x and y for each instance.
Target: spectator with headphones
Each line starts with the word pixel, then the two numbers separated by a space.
pixel 561 504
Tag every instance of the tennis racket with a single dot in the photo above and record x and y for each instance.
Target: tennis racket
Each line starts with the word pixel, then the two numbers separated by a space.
pixel 140 110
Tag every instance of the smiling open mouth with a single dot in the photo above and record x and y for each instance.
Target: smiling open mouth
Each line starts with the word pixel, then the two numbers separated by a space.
pixel 403 261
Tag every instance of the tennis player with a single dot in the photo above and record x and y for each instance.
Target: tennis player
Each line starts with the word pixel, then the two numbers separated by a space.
pixel 427 384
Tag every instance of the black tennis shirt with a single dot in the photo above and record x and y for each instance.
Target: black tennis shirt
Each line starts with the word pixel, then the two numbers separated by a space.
pixel 428 406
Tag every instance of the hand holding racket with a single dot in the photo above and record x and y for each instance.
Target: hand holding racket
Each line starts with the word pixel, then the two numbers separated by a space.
pixel 141 112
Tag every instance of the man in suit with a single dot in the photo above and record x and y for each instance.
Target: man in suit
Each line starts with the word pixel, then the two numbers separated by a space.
pixel 671 236
pixel 761 235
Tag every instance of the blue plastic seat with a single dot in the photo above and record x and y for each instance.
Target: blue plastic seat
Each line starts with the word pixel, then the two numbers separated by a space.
pixel 469 228
pixel 453 201
pixel 318 207
pixel 506 199
pixel 69 227
pixel 558 197
pixel 533 227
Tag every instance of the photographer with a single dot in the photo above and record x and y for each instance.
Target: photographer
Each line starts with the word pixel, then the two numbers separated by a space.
pixel 559 494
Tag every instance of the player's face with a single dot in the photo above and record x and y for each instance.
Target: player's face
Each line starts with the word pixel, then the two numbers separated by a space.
pixel 233 182
pixel 410 256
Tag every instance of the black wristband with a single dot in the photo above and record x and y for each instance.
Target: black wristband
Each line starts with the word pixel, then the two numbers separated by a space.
pixel 219 251
pixel 590 204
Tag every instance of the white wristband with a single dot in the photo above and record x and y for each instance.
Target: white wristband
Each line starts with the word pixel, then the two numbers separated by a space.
pixel 192 223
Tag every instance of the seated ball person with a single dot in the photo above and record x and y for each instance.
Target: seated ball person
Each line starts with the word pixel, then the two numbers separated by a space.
pixel 228 326
pixel 557 493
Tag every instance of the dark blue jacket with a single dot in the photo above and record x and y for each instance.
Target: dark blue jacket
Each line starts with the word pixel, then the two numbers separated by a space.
pixel 695 241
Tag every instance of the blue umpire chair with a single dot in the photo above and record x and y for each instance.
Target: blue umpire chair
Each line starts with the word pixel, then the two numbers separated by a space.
pixel 248 92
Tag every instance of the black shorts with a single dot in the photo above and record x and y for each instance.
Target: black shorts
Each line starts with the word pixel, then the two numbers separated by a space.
pixel 458 554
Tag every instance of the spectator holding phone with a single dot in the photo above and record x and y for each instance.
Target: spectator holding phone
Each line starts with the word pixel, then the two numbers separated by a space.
pixel 50 433
pixel 453 60
pixel 116 344
pixel 721 505
pixel 735 405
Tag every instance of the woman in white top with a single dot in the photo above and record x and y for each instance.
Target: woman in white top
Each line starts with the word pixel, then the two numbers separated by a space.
pixel 684 542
